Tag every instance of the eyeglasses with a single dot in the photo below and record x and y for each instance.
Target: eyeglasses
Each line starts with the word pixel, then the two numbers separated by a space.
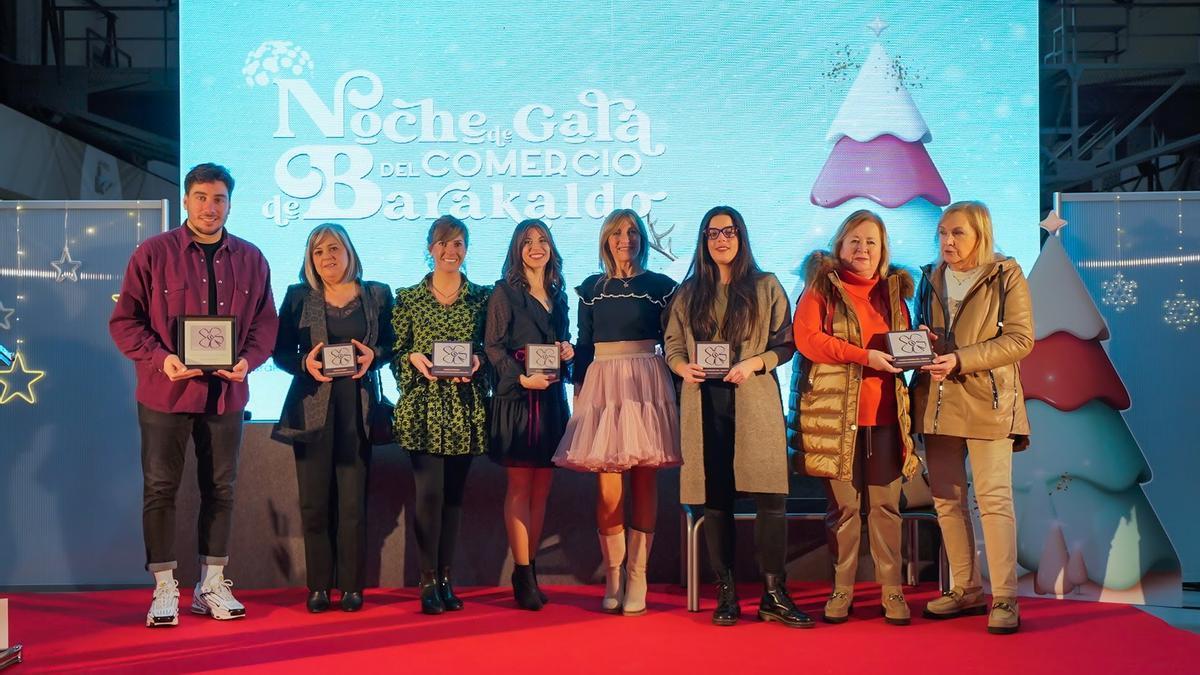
pixel 725 232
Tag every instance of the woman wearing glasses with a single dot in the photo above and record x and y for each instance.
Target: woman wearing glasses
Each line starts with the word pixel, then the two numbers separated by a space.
pixel 731 424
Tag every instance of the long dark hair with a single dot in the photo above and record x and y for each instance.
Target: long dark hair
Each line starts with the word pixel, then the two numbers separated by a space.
pixel 513 270
pixel 699 287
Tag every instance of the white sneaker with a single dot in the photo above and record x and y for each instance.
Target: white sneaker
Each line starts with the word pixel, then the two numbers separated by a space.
pixel 164 609
pixel 217 601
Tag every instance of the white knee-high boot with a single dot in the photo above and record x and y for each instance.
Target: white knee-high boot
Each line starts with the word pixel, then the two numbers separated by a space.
pixel 612 547
pixel 635 572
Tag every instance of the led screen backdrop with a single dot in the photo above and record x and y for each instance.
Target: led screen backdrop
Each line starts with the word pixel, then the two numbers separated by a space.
pixel 383 115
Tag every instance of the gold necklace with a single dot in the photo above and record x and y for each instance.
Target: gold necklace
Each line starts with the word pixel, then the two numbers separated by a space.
pixel 967 277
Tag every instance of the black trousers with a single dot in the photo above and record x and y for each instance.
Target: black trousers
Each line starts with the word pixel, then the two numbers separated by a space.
pixel 720 491
pixel 218 439
pixel 440 486
pixel 331 472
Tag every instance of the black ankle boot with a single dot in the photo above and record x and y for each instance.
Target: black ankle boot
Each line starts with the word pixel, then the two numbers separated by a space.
pixel 431 598
pixel 525 588
pixel 450 601
pixel 728 610
pixel 536 586
pixel 318 601
pixel 352 601
pixel 777 605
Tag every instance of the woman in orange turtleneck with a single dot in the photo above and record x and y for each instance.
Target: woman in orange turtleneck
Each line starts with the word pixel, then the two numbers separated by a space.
pixel 851 410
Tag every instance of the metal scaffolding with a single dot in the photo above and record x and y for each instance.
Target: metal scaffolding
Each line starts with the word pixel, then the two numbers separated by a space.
pixel 1120 96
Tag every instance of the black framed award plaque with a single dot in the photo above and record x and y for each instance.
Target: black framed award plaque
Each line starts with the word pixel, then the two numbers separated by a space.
pixel 542 359
pixel 338 360
pixel 716 358
pixel 909 348
pixel 451 359
pixel 207 342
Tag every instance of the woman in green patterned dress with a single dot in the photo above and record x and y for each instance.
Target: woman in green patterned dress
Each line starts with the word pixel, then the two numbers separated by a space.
pixel 441 422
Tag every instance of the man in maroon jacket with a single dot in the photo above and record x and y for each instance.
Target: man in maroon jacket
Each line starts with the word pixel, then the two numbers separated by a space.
pixel 198 268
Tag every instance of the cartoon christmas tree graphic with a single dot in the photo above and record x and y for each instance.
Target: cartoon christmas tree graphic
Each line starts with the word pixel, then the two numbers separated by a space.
pixel 1085 529
pixel 879 160
pixel 879 141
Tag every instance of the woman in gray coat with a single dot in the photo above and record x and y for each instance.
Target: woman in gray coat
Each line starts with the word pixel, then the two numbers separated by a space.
pixel 731 426
pixel 325 418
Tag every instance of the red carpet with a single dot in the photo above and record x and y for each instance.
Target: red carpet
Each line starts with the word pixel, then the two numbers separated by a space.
pixel 103 632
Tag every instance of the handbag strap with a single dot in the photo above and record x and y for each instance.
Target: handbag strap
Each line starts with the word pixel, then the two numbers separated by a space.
pixel 1003 298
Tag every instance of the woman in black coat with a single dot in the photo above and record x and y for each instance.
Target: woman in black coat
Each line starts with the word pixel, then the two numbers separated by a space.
pixel 529 411
pixel 325 418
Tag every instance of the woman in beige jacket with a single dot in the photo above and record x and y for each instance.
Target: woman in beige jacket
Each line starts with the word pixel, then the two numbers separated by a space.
pixel 969 402
pixel 731 427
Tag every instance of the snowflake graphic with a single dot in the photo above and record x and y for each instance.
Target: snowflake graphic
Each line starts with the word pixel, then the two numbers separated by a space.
pixel 274 59
pixel 1181 311
pixel 1119 293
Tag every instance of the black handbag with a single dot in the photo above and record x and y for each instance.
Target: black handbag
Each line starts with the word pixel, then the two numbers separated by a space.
pixel 380 417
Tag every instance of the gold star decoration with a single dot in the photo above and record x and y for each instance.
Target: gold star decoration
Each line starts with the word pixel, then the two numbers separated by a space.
pixel 18 381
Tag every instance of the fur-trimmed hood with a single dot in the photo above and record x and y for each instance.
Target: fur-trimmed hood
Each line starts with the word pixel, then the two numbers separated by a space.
pixel 820 263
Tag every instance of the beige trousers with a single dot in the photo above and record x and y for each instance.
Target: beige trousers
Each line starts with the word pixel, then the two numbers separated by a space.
pixel 876 471
pixel 991 470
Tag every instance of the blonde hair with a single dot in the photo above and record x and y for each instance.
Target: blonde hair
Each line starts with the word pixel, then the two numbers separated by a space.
pixel 980 220
pixel 611 224
pixel 854 220
pixel 308 273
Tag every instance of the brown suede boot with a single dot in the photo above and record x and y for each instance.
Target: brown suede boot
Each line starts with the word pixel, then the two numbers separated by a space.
pixel 895 609
pixel 1005 617
pixel 839 605
pixel 957 602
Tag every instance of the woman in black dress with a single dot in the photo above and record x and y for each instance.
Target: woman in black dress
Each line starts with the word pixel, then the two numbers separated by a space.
pixel 529 412
pixel 326 418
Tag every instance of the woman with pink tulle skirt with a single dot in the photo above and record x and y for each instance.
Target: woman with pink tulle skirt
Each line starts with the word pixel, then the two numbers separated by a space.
pixel 625 418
